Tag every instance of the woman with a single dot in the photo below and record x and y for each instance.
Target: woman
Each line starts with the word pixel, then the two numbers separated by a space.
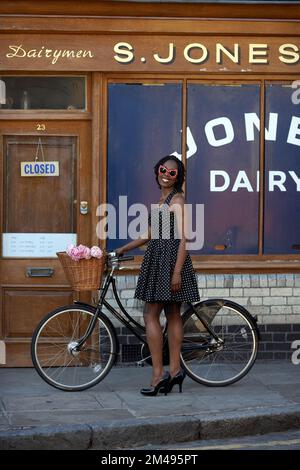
pixel 167 277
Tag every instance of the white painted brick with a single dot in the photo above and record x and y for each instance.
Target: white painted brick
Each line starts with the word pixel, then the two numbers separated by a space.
pixel 263 280
pixel 281 309
pixel 219 280
pixel 259 310
pixel 109 294
pixel 271 319
pixel 113 303
pixel 257 291
pixel 254 280
pixel 127 294
pixel 215 293
pixel 281 291
pixel 236 292
pixel 246 280
pixel 290 281
pixel 256 300
pixel 130 282
pixel 210 280
pixel 120 282
pixel 294 300
pixel 281 280
pixel 278 304
pixel 274 300
pixel 130 303
pixel 136 314
pixel 292 318
pixel 240 300
pixel 228 280
pixel 201 281
pixel 114 321
pixel 237 280
pixel 272 280
pixel 119 292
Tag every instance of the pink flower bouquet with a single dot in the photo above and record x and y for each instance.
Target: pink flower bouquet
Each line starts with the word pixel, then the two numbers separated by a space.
pixel 83 252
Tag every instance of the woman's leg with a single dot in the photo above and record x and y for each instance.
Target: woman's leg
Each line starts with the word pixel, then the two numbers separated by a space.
pixel 154 334
pixel 175 334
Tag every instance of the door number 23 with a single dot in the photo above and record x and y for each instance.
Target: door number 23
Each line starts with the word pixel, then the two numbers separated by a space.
pixel 41 127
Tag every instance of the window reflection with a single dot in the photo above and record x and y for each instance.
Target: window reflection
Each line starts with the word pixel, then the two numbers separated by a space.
pixel 64 93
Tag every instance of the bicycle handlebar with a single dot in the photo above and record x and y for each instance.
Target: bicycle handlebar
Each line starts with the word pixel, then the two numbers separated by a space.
pixel 126 258
pixel 121 258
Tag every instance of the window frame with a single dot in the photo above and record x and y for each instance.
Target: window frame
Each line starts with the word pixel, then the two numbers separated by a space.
pixel 50 113
pixel 220 263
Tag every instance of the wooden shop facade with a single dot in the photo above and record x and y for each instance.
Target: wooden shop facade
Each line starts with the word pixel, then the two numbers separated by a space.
pixel 93 94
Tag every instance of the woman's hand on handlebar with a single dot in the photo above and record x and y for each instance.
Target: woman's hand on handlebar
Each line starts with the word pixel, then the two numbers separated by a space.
pixel 119 251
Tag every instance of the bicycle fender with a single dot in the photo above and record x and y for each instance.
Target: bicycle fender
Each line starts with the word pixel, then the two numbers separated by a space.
pixel 85 304
pixel 228 303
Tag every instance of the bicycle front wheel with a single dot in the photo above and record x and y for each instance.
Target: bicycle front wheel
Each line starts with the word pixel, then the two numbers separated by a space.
pixel 223 361
pixel 54 348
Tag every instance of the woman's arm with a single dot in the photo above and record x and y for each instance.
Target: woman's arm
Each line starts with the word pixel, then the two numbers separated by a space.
pixel 178 208
pixel 144 238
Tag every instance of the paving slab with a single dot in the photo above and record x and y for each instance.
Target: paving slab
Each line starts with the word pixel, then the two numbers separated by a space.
pixel 113 414
pixel 43 418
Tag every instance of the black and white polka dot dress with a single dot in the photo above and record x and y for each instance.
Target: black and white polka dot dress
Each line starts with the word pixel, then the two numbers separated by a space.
pixel 154 282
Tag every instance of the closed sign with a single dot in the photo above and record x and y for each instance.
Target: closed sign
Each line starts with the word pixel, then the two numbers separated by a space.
pixel 39 168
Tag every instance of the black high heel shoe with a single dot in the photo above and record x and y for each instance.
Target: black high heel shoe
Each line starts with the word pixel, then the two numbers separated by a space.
pixel 177 379
pixel 152 391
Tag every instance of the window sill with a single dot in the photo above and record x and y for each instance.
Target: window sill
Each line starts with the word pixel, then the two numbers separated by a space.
pixel 221 266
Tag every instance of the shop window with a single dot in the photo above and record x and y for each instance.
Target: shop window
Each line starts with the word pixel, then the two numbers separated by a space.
pixel 282 170
pixel 39 195
pixel 223 164
pixel 144 124
pixel 223 159
pixel 36 93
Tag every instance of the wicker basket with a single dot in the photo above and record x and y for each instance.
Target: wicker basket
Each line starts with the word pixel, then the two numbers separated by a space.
pixel 85 274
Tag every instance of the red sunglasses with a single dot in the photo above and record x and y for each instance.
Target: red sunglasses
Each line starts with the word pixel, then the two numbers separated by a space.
pixel 164 170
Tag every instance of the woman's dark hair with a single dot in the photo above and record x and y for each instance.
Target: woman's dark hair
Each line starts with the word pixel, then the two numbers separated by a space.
pixel 181 171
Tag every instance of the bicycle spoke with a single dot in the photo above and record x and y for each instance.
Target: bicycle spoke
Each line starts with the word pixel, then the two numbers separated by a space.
pixel 57 358
pixel 226 360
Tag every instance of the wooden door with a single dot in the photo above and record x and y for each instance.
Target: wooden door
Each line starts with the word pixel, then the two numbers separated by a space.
pixel 45 179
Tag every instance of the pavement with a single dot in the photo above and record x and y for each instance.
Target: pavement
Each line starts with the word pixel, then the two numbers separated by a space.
pixel 114 415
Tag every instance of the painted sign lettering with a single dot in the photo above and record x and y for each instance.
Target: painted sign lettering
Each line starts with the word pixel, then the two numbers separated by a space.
pixel 39 168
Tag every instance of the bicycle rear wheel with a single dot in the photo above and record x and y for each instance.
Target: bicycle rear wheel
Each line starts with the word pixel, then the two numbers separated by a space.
pixel 226 360
pixel 54 353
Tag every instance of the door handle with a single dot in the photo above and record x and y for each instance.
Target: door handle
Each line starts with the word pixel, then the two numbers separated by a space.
pixel 84 207
pixel 39 272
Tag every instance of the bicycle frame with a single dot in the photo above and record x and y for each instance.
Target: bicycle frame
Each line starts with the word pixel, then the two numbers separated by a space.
pixel 136 328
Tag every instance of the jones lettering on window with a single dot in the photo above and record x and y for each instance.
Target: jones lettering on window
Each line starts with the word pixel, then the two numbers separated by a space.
pixel 39 168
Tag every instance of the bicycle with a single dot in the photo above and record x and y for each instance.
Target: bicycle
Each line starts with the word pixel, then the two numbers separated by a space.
pixel 74 347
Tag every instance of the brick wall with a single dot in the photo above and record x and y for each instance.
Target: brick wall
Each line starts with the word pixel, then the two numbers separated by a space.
pixel 274 298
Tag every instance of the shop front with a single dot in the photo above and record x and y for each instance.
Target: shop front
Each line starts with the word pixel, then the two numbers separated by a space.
pixel 92 96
